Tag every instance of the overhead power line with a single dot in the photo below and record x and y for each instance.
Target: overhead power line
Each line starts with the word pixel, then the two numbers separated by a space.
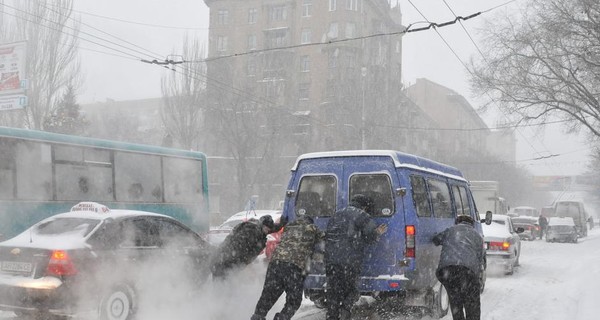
pixel 410 29
pixel 37 21
pixel 137 22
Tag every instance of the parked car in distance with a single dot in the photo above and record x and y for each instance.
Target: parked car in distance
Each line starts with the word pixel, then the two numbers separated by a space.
pixel 530 225
pixel 576 210
pixel 502 241
pixel 217 235
pixel 561 230
pixel 98 260
pixel 525 211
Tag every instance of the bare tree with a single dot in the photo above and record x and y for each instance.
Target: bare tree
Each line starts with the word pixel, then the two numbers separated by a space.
pixel 545 63
pixel 52 59
pixel 184 96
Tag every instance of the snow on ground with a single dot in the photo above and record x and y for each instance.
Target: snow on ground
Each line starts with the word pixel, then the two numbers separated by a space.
pixel 556 281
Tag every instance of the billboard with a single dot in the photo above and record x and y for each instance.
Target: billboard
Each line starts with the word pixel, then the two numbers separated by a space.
pixel 12 68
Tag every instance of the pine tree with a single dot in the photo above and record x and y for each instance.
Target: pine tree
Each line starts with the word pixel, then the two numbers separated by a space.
pixel 67 118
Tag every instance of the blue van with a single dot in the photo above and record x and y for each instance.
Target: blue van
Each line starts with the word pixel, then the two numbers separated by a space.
pixel 414 196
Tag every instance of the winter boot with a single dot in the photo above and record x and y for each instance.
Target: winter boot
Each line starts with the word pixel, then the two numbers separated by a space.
pixel 281 316
pixel 257 317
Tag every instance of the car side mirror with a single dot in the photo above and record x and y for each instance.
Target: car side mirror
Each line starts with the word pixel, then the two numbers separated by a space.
pixel 488 218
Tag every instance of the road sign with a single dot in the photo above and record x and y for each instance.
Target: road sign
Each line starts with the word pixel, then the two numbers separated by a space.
pixel 13 102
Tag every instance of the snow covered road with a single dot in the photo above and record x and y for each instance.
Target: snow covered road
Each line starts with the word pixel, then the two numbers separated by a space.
pixel 555 281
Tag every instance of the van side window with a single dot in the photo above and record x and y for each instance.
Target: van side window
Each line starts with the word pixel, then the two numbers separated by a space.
pixel 420 196
pixel 465 201
pixel 376 186
pixel 440 198
pixel 457 200
pixel 316 196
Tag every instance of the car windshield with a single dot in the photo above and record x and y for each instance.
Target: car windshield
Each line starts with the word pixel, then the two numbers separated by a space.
pixel 522 221
pixel 59 226
pixel 230 224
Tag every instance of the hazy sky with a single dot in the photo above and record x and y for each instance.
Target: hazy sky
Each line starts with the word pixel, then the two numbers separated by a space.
pixel 425 55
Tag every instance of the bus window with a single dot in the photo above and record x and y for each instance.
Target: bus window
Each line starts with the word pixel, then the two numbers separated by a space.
pixel 78 177
pixel 440 197
pixel 7 165
pixel 376 186
pixel 34 171
pixel 316 196
pixel 183 180
pixel 135 182
pixel 420 196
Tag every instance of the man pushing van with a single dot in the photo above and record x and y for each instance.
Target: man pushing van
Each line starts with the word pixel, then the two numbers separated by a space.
pixel 348 232
pixel 461 263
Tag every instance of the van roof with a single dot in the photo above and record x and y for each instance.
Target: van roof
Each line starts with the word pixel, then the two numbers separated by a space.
pixel 400 160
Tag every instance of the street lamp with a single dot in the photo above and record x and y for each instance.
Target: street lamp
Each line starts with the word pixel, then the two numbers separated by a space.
pixel 363 144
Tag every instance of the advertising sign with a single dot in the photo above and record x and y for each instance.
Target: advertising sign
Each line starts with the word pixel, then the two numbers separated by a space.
pixel 12 68
pixel 13 102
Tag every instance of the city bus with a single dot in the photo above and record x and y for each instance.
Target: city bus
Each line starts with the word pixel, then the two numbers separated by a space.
pixel 43 173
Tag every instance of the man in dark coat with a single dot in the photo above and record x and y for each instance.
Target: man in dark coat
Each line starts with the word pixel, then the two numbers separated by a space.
pixel 543 222
pixel 461 262
pixel 286 269
pixel 242 245
pixel 349 231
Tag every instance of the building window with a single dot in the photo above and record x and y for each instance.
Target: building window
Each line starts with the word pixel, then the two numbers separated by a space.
pixel 251 67
pixel 333 30
pixel 222 17
pixel 252 42
pixel 306 36
pixel 306 8
pixel 330 89
pixel 277 39
pixel 352 5
pixel 332 59
pixel 350 30
pixel 305 64
pixel 221 44
pixel 252 15
pixel 303 91
pixel 277 13
pixel 332 5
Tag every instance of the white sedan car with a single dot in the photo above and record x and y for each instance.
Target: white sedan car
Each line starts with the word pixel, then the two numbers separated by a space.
pixel 503 245
pixel 218 234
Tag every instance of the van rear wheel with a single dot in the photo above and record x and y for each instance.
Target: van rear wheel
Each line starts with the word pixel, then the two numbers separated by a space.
pixel 441 302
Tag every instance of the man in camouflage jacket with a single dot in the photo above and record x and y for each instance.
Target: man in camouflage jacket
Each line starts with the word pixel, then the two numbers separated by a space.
pixel 286 269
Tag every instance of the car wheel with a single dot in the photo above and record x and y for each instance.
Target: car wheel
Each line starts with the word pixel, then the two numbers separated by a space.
pixel 117 303
pixel 441 302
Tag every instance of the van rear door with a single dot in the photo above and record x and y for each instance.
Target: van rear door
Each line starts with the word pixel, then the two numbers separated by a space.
pixel 375 176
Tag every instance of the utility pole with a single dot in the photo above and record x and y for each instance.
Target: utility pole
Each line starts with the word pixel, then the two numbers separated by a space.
pixel 363 129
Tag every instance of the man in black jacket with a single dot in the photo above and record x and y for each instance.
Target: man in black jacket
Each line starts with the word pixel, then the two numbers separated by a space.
pixel 349 231
pixel 242 245
pixel 461 262
pixel 286 269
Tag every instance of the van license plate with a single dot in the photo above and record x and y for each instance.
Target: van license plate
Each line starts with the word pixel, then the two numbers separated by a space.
pixel 14 266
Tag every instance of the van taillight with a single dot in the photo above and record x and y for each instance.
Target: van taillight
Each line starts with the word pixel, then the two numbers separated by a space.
pixel 60 264
pixel 410 241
